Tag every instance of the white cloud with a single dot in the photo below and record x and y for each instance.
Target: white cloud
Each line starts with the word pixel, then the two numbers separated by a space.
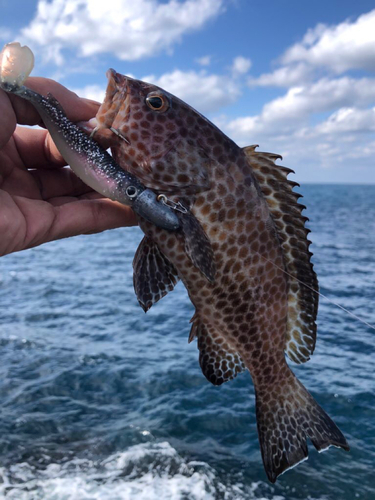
pixel 241 65
pixel 321 96
pixel 331 151
pixel 94 92
pixel 205 92
pixel 293 110
pixel 331 49
pixel 285 76
pixel 349 45
pixel 129 29
pixel 204 61
pixel 338 147
pixel 348 120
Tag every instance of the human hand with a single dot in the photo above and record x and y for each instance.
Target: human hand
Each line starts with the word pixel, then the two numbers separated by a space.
pixel 40 200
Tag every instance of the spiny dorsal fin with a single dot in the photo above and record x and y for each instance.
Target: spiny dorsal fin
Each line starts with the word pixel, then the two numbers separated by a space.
pixel 290 225
pixel 218 360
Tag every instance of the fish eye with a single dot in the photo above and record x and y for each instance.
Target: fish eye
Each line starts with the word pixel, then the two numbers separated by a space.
pixel 157 101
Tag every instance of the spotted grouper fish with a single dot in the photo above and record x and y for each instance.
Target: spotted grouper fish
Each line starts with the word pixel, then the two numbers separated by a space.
pixel 242 253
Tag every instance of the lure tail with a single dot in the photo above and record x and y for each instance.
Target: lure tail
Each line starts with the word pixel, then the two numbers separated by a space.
pixel 286 415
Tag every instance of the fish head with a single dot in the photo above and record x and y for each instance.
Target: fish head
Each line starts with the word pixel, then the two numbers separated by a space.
pixel 153 131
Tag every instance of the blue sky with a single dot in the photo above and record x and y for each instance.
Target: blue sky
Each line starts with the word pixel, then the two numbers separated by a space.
pixel 295 77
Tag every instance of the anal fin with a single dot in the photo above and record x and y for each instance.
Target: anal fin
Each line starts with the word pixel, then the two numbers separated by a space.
pixel 219 362
pixel 153 274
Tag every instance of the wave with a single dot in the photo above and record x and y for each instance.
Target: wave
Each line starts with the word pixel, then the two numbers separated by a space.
pixel 147 471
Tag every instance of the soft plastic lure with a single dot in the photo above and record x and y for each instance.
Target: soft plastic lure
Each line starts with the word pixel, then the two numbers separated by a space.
pixel 86 157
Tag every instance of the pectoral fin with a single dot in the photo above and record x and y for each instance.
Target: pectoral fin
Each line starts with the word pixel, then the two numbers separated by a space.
pixel 197 245
pixel 154 275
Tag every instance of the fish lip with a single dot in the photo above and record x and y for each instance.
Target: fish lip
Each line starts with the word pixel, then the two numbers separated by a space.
pixel 118 78
pixel 121 83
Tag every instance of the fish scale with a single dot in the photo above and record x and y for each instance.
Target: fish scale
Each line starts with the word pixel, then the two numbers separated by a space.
pixel 248 308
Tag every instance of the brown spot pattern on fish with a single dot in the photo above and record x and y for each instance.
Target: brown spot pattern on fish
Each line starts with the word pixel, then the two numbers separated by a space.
pixel 152 152
pixel 290 223
pixel 242 315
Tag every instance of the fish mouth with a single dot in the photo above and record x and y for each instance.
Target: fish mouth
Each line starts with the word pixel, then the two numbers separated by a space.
pixel 116 98
pixel 120 96
pixel 119 79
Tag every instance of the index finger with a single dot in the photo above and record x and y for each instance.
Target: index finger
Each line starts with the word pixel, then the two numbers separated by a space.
pixel 76 108
pixel 15 110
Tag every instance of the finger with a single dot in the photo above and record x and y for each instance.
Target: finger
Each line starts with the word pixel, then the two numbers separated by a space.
pixel 14 109
pixel 42 222
pixel 63 200
pixel 91 102
pixel 90 216
pixel 37 149
pixel 61 182
pixel 76 109
pixel 8 119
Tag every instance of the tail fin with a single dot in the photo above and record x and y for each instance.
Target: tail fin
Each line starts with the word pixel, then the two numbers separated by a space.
pixel 286 415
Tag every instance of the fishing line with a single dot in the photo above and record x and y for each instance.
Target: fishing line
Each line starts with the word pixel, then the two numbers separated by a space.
pixel 322 295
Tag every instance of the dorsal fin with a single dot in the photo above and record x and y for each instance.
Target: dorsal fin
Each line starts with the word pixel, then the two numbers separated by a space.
pixel 290 225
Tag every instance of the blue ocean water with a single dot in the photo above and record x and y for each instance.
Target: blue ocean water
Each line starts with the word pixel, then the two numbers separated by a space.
pixel 100 401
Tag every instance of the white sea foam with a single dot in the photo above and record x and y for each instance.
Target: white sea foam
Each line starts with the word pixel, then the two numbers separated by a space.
pixel 149 471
